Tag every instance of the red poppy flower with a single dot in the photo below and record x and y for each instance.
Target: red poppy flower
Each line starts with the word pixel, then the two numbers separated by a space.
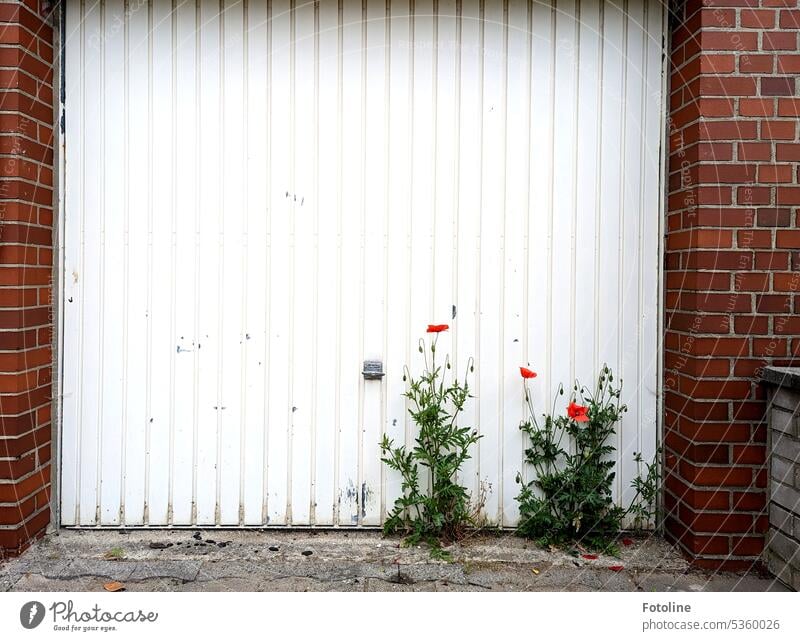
pixel 527 373
pixel 616 568
pixel 577 412
pixel 591 557
pixel 435 329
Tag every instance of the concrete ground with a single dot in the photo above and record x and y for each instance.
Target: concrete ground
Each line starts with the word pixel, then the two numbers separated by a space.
pixel 241 561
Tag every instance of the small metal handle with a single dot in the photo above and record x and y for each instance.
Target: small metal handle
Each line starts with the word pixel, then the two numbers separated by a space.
pixel 373 370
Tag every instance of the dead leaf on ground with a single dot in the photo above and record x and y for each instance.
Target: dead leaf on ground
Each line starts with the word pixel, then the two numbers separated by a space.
pixel 114 586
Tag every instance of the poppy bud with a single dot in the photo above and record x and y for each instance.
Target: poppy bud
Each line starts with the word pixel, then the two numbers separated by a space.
pixel 420 349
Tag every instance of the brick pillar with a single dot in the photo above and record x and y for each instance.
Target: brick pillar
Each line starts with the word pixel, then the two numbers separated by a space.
pixel 26 268
pixel 731 265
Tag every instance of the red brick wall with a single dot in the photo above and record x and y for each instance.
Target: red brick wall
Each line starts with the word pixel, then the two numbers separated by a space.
pixel 732 264
pixel 26 259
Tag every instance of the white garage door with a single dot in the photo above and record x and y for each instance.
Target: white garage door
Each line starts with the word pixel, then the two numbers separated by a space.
pixel 259 196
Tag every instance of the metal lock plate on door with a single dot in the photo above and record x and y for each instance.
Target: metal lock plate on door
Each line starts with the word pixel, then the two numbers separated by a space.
pixel 373 370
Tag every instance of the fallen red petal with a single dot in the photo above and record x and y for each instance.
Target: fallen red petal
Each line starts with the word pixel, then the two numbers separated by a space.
pixel 591 557
pixel 616 568
pixel 627 541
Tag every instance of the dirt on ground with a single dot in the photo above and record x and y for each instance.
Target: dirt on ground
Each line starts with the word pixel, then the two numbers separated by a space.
pixel 217 560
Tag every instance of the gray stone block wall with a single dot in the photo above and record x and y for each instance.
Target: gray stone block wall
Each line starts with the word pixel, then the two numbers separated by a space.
pixel 783 540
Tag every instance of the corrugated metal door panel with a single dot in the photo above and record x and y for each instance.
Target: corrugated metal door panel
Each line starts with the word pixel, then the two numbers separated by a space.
pixel 137 201
pixel 187 256
pixel 328 262
pixel 261 195
pixel 112 274
pixel 466 288
pixel 280 194
pixel 630 256
pixel 399 341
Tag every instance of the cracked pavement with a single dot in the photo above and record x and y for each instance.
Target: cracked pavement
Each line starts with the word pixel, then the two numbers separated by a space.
pixel 217 560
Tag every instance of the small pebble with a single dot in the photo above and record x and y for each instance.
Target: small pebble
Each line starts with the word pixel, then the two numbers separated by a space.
pixel 307 553
pixel 273 548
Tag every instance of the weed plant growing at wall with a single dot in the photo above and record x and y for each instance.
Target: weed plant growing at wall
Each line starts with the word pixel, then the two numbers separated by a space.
pixel 433 508
pixel 570 497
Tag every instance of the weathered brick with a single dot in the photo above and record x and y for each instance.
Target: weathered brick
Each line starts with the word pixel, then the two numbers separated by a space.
pixel 788 63
pixel 779 41
pixel 757 63
pixel 775 173
pixel 771 260
pixel 774 217
pixel 778 129
pixel 734 41
pixel 758 18
pixel 757 107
